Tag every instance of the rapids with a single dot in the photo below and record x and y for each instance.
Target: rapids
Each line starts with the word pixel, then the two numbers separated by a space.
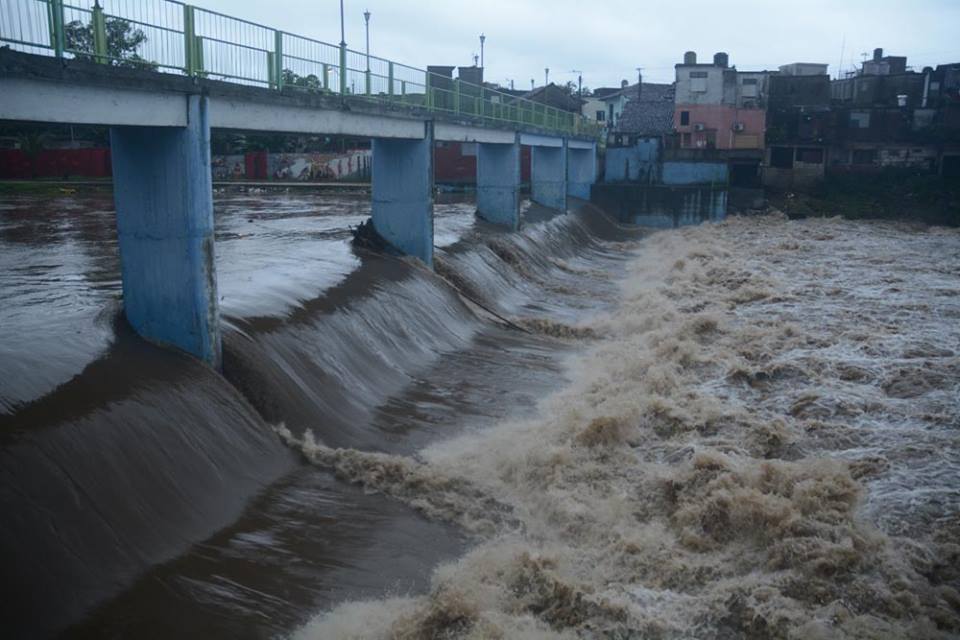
pixel 760 442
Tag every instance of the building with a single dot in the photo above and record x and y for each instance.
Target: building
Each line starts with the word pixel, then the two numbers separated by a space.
pixel 888 116
pixel 635 145
pixel 798 125
pixel 718 107
pixel 555 96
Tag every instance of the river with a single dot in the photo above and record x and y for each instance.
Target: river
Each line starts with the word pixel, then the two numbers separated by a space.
pixel 747 429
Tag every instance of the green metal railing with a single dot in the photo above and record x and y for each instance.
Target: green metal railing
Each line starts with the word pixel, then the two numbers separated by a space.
pixel 175 37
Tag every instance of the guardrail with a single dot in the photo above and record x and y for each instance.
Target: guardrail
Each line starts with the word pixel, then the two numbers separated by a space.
pixel 180 38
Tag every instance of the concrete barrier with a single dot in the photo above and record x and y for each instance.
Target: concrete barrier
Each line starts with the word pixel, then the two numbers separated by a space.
pixel 498 183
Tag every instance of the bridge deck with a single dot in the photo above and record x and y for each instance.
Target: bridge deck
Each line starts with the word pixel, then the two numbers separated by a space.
pixel 44 89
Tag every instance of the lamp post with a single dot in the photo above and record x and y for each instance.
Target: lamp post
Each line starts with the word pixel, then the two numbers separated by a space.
pixel 343 54
pixel 483 39
pixel 366 22
pixel 546 76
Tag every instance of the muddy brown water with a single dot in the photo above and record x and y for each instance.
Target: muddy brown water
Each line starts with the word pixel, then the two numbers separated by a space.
pixel 146 496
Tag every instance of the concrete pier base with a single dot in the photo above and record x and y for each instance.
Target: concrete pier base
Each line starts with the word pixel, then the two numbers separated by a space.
pixel 498 183
pixel 548 176
pixel 403 194
pixel 581 171
pixel 164 202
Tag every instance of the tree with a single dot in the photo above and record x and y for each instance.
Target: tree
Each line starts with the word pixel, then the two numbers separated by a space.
pixel 123 41
pixel 309 82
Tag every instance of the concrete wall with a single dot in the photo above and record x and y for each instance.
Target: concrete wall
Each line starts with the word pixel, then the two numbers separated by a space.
pixel 689 173
pixel 636 163
pixel 164 201
pixel 662 206
pixel 714 93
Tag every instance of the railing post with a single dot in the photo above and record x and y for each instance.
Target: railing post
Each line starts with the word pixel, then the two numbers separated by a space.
pixel 55 20
pixel 390 79
pixel 198 55
pixel 99 34
pixel 278 58
pixel 456 95
pixel 189 42
pixel 343 69
pixel 326 77
pixel 366 81
pixel 272 70
pixel 427 92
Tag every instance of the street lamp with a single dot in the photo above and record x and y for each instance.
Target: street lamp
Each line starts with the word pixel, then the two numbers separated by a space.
pixel 366 22
pixel 483 39
pixel 343 38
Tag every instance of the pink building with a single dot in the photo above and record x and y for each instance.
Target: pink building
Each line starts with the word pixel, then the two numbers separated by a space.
pixel 719 126
pixel 719 107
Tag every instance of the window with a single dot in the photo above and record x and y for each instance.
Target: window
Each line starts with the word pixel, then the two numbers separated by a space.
pixel 601 116
pixel 864 156
pixel 684 118
pixel 811 156
pixel 698 81
pixel 781 157
pixel 860 119
pixel 685 140
pixel 752 81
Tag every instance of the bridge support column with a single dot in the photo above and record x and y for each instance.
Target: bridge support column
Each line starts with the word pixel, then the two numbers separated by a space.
pixel 548 176
pixel 403 194
pixel 498 183
pixel 581 171
pixel 164 201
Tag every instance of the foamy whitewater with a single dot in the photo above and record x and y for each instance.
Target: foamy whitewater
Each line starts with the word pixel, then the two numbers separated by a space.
pixel 761 441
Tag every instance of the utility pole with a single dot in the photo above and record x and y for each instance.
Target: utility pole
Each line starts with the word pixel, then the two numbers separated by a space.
pixel 343 54
pixel 546 76
pixel 483 39
pixel 579 82
pixel 343 39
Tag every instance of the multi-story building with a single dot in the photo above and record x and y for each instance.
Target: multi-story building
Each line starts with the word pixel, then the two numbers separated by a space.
pixel 719 107
pixel 798 125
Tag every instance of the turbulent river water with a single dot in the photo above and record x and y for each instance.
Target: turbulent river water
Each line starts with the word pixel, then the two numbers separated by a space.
pixel 746 429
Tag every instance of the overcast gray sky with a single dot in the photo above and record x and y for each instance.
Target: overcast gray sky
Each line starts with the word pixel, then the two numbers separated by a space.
pixel 608 39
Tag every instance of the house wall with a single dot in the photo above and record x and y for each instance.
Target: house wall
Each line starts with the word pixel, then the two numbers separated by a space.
pixel 636 163
pixel 714 90
pixel 690 173
pixel 720 119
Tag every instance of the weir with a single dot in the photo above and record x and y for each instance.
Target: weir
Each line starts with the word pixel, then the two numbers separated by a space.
pixel 498 183
pixel 164 201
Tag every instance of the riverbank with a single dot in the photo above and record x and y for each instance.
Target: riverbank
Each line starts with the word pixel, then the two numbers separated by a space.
pixel 890 195
pixel 761 443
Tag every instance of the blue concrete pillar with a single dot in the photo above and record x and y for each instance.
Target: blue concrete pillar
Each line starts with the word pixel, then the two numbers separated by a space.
pixel 164 200
pixel 498 183
pixel 581 171
pixel 403 194
pixel 548 176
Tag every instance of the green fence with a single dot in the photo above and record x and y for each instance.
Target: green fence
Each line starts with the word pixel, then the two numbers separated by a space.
pixel 174 37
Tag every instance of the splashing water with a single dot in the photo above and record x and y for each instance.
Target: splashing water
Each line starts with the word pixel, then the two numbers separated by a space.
pixel 761 441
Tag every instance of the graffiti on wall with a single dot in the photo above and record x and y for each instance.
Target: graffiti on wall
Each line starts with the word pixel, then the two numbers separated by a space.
pixel 319 166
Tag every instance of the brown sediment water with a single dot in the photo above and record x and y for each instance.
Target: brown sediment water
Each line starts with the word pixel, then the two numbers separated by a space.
pixel 762 440
pixel 148 496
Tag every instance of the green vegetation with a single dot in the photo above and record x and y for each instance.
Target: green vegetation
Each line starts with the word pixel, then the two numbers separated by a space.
pixel 892 194
pixel 123 43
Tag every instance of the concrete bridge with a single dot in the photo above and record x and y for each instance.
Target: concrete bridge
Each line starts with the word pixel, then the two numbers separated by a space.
pixel 160 142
